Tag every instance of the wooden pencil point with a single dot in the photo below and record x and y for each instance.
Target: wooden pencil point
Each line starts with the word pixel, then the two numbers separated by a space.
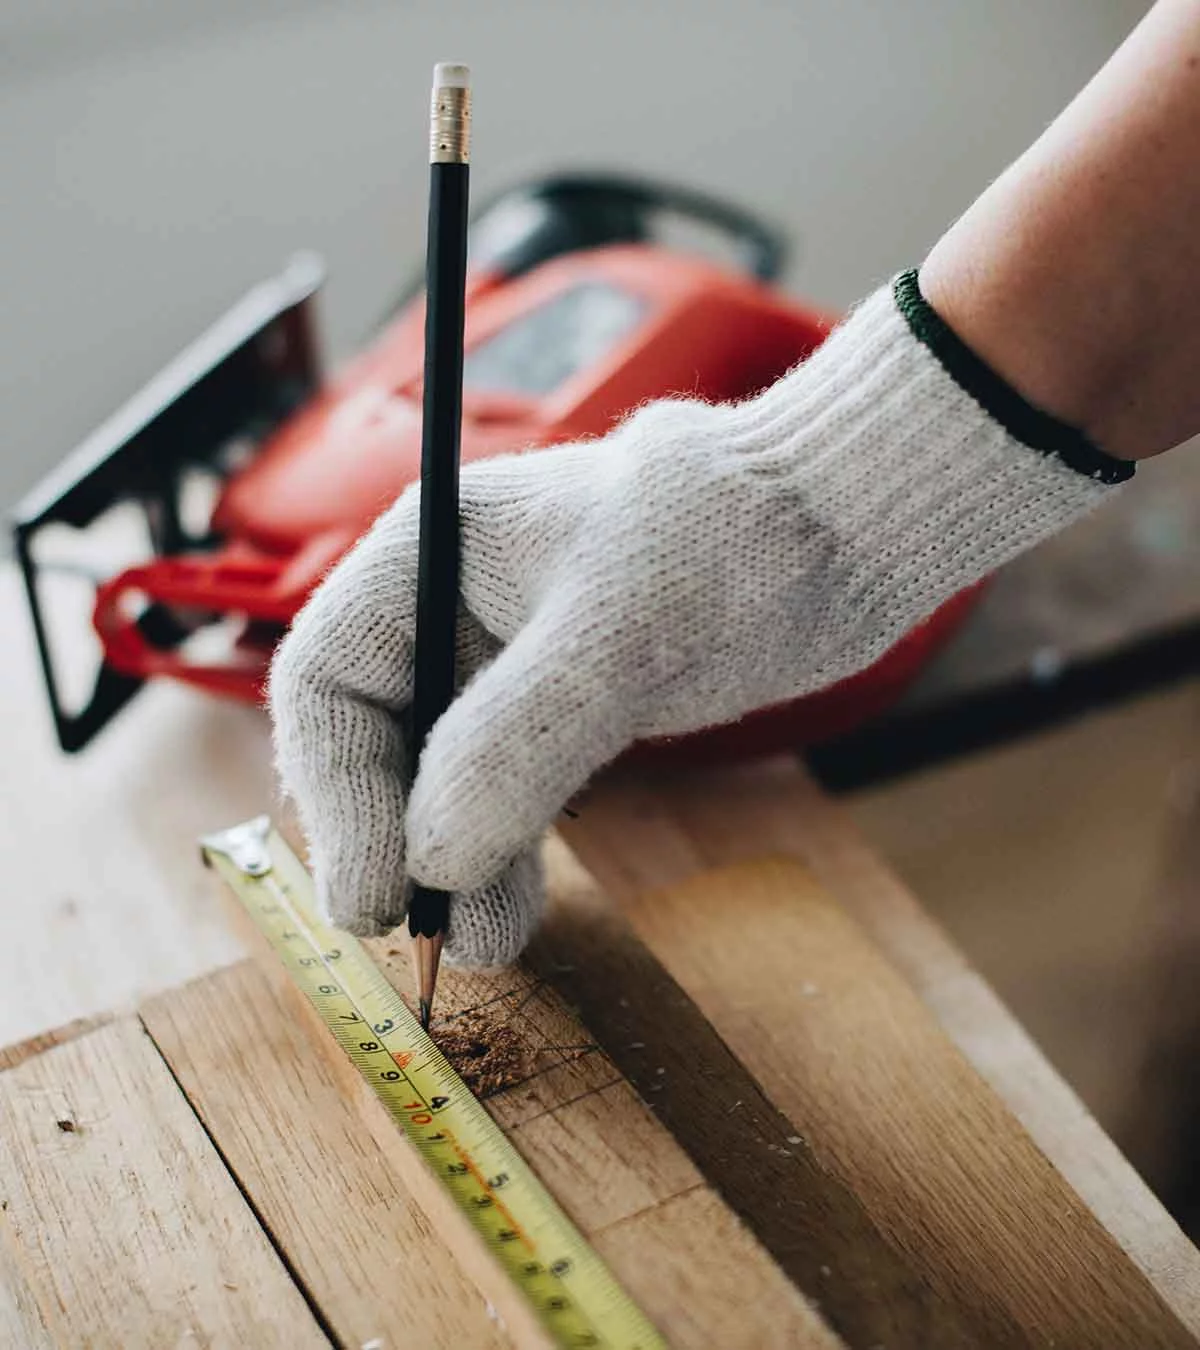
pixel 426 957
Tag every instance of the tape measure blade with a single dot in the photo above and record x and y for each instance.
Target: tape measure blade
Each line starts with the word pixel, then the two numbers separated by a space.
pixel 569 1288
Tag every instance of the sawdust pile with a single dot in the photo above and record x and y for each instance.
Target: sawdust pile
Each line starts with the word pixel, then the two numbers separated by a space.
pixel 489 1056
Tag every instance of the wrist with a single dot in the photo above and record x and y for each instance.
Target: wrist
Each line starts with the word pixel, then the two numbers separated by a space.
pixel 1057 334
pixel 925 469
pixel 1028 423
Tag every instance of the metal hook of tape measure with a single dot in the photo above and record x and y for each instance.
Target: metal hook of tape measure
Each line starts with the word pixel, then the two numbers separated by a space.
pixel 245 845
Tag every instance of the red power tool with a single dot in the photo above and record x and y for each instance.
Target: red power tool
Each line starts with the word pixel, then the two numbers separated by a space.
pixel 587 296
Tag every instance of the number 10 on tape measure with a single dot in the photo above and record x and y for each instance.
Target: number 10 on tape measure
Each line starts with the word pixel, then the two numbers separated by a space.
pixel 572 1292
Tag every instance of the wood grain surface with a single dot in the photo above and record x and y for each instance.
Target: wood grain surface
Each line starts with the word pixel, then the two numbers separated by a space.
pixel 752 949
pixel 364 1226
pixel 675 1245
pixel 286 1125
pixel 119 1224
pixel 809 1218
pixel 12 1055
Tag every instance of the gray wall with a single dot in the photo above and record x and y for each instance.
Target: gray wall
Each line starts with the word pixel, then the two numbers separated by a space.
pixel 158 156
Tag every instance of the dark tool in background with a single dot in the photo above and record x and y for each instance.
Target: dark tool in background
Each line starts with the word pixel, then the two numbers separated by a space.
pixel 586 296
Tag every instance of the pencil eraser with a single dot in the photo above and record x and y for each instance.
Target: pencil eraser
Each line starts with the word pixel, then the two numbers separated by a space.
pixel 451 75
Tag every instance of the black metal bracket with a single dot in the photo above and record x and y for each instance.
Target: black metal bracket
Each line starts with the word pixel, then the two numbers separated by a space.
pixel 251 369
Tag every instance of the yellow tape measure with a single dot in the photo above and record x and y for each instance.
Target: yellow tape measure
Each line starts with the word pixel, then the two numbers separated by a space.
pixel 570 1289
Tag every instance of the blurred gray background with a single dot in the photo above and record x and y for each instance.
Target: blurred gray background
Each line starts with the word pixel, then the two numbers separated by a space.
pixel 159 156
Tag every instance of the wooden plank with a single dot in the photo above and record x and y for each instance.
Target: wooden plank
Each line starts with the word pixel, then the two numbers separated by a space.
pixel 795 817
pixel 248 1035
pixel 289 1131
pixel 12 1055
pixel 734 1287
pixel 672 1241
pixel 741 946
pixel 121 1226
pixel 1050 881
pixel 810 1219
pixel 889 1104
pixel 22 1322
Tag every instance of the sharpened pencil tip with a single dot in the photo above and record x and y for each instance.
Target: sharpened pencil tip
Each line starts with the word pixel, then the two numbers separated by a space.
pixel 427 953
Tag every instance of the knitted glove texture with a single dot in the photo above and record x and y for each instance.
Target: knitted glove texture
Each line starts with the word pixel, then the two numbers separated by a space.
pixel 697 563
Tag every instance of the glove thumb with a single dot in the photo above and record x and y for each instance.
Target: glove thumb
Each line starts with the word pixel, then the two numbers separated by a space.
pixel 523 737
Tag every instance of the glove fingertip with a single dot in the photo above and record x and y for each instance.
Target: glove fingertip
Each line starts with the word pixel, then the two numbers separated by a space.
pixel 363 909
pixel 457 840
pixel 491 926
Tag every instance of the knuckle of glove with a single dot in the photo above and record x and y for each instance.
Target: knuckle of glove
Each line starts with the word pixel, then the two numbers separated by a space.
pixel 667 420
pixel 364 914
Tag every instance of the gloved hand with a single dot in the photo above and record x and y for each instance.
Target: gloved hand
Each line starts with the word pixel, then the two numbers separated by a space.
pixel 695 564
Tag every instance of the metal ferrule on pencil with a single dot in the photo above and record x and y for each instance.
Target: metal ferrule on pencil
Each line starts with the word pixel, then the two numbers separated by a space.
pixel 450 126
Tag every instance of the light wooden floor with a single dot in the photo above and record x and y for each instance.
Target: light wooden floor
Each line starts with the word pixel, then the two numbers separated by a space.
pixel 77 937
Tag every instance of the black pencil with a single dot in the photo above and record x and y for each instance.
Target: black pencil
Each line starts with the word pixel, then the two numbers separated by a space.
pixel 437 568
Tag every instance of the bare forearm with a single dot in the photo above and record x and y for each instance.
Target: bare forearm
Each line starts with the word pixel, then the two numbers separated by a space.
pixel 1076 275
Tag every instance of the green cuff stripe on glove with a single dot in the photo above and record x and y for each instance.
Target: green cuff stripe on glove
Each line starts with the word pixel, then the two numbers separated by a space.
pixel 1027 424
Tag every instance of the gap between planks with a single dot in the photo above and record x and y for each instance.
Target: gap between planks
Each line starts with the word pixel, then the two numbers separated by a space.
pixel 105 1169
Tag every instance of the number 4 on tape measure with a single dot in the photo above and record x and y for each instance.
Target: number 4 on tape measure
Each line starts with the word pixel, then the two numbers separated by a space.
pixel 573 1293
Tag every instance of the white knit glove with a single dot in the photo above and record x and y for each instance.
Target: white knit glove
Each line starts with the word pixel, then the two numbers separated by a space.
pixel 697 563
